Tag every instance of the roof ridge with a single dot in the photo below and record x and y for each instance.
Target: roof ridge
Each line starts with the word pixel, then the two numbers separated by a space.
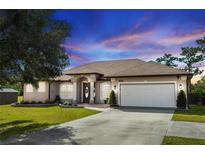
pixel 156 63
pixel 103 61
pixel 117 60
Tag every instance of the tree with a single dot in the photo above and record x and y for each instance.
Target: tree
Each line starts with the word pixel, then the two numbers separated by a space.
pixel 201 43
pixel 191 56
pixel 181 100
pixel 168 60
pixel 112 99
pixel 30 46
pixel 199 89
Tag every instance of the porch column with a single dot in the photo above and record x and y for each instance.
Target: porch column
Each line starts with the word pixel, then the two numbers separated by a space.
pixel 75 95
pixel 92 92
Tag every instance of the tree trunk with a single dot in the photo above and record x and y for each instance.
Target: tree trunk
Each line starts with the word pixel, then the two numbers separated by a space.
pixel 22 86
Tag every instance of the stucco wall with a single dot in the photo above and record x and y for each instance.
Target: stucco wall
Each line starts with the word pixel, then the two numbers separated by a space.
pixel 98 92
pixel 42 96
pixel 35 95
pixel 54 90
pixel 181 80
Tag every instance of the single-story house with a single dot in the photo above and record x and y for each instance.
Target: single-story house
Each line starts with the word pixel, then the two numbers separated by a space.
pixel 8 96
pixel 135 82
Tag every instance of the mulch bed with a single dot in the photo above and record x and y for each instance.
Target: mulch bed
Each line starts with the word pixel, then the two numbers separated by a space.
pixel 70 106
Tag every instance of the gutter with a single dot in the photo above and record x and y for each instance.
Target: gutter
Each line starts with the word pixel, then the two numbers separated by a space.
pixel 152 75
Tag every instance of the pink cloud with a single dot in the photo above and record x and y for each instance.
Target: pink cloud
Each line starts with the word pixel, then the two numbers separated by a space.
pixel 178 39
pixel 152 54
pixel 128 39
pixel 125 41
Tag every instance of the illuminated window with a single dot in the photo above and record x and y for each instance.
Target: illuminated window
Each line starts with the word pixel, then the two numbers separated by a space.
pixel 41 87
pixel 29 88
pixel 105 89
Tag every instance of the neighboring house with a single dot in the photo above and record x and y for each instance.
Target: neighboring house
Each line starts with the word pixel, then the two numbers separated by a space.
pixel 135 82
pixel 8 96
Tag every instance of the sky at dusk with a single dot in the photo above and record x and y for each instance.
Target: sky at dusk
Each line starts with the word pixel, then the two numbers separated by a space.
pixel 124 34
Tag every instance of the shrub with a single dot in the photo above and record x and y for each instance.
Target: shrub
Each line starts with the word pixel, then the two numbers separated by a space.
pixel 112 99
pixel 68 103
pixel 25 102
pixel 106 100
pixel 47 102
pixel 33 102
pixel 58 100
pixel 198 90
pixel 181 100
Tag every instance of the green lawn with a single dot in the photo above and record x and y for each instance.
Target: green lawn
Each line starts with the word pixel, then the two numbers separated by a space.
pixel 195 114
pixel 18 120
pixel 172 140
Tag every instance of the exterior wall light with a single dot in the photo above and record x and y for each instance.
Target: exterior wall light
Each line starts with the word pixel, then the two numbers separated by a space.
pixel 180 86
pixel 115 86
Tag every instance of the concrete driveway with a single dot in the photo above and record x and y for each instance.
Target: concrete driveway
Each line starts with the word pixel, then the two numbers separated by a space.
pixel 113 126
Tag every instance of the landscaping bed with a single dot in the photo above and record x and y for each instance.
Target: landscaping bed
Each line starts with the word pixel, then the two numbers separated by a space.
pixel 70 106
pixel 32 105
pixel 19 120
pixel 196 113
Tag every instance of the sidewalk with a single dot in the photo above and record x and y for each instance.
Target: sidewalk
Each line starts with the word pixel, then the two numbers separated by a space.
pixel 186 129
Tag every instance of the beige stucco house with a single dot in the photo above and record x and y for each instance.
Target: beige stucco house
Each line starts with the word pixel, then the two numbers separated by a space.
pixel 135 82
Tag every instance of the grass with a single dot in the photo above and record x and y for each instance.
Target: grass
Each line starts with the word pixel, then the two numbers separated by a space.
pixel 172 140
pixel 18 120
pixel 195 114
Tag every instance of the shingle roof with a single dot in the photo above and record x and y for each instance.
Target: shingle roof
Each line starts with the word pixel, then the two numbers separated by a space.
pixel 129 67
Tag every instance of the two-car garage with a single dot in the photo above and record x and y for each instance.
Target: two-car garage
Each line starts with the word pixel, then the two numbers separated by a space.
pixel 147 94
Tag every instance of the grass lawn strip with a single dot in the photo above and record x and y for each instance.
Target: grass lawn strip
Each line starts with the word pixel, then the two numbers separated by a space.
pixel 194 114
pixel 173 140
pixel 19 120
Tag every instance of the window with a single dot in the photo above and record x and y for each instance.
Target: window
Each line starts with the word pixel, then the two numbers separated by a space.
pixel 29 88
pixel 66 91
pixel 41 87
pixel 105 89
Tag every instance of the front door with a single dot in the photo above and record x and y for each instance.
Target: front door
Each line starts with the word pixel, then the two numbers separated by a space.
pixel 86 92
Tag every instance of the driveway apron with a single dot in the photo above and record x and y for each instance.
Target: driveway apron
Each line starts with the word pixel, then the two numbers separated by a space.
pixel 111 127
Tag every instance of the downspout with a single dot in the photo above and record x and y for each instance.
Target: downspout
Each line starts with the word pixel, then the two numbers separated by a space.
pixel 49 93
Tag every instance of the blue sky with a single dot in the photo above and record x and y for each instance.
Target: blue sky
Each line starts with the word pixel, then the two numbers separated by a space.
pixel 122 34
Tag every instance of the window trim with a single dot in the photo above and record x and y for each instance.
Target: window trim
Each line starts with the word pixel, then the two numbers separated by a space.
pixel 44 90
pixel 29 86
pixel 102 90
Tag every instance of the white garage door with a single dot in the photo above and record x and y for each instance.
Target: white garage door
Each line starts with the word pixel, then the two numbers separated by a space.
pixel 148 95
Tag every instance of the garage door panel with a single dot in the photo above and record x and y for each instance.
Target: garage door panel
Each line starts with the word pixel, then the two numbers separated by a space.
pixel 148 95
